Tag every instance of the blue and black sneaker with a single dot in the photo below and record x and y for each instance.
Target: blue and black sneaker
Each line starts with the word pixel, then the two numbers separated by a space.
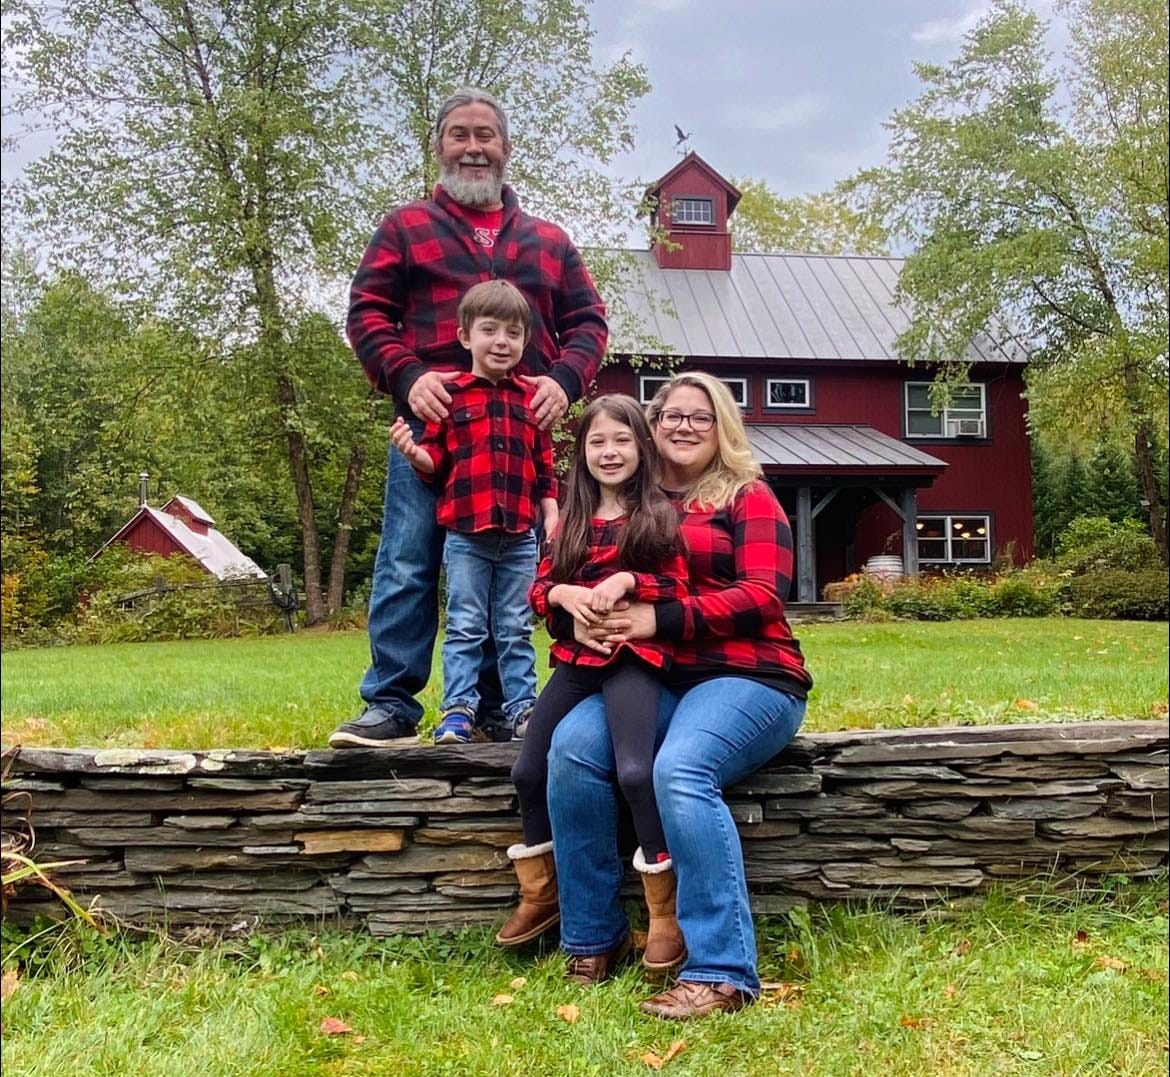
pixel 456 726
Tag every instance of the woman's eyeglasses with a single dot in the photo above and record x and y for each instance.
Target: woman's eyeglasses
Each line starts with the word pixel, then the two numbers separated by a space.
pixel 699 421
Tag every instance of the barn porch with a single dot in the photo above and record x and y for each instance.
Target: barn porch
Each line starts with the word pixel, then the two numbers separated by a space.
pixel 825 477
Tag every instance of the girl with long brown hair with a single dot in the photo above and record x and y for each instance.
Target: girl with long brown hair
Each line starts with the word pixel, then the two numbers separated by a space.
pixel 617 540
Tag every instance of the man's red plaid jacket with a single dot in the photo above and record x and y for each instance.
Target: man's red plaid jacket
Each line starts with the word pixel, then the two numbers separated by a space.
pixel 422 259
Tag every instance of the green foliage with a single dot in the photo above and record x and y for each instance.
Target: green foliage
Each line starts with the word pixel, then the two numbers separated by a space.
pixel 953 598
pixel 1096 542
pixel 1140 595
pixel 819 224
pixel 1042 222
pixel 227 163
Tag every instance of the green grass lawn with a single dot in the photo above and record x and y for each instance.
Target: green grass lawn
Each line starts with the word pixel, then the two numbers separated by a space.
pixel 1029 983
pixel 290 691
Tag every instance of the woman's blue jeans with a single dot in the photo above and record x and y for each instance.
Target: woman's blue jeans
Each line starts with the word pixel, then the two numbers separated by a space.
pixel 711 737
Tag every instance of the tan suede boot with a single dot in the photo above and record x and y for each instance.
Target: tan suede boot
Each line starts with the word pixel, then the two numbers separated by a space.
pixel 538 910
pixel 665 947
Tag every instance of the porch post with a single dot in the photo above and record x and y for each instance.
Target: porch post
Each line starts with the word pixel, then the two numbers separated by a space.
pixel 909 506
pixel 806 565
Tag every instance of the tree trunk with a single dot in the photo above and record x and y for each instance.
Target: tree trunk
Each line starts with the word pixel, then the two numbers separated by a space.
pixel 1143 454
pixel 298 462
pixel 353 478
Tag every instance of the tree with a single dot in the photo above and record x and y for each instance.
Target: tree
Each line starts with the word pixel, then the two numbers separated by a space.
pixel 1048 219
pixel 228 161
pixel 812 224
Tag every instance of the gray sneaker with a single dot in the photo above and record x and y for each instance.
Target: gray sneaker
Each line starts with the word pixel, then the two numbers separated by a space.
pixel 375 727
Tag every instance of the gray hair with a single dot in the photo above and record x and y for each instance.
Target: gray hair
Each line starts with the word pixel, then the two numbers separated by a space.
pixel 469 96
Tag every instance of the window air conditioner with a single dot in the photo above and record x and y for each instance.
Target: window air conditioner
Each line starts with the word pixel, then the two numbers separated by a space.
pixel 968 428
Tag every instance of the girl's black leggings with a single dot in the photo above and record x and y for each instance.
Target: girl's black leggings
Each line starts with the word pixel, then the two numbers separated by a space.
pixel 631 690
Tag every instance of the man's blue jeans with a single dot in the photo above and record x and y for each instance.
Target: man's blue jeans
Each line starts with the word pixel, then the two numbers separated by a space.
pixel 716 734
pixel 404 600
pixel 488 579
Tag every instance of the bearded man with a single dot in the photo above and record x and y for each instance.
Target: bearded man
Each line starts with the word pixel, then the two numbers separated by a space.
pixel 402 327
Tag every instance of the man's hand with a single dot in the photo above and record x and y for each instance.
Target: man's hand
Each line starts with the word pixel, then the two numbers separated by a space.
pixel 549 403
pixel 403 440
pixel 428 397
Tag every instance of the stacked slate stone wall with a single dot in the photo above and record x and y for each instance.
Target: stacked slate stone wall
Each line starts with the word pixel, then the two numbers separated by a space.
pixel 413 838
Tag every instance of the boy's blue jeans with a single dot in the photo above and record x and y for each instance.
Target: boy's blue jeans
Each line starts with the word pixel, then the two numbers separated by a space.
pixel 489 575
pixel 711 737
pixel 404 599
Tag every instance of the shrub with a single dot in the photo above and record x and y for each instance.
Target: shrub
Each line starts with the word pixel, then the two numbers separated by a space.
pixel 1115 593
pixel 952 598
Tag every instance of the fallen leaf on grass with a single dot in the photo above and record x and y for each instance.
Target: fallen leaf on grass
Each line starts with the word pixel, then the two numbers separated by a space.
pixel 915 1022
pixel 675 1050
pixel 1110 963
pixel 518 983
pixel 963 949
pixel 9 982
pixel 949 990
pixel 653 1061
pixel 502 1000
pixel 781 994
pixel 350 975
pixel 1080 940
pixel 1027 705
pixel 320 990
pixel 1157 975
pixel 569 1013
pixel 332 1026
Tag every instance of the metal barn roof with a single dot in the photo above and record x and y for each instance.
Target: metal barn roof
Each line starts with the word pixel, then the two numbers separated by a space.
pixel 838 450
pixel 779 306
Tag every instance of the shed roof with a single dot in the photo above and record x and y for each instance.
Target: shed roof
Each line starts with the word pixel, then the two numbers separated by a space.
pixel 780 306
pixel 838 450
pixel 214 551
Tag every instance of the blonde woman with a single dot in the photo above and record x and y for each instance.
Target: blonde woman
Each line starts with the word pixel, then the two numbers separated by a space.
pixel 733 699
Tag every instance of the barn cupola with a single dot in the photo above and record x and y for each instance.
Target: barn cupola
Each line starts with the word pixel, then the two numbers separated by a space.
pixel 691 205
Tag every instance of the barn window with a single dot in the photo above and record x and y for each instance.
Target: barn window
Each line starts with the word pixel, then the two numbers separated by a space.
pixel 692 211
pixel 788 393
pixel 954 539
pixel 964 417
pixel 649 384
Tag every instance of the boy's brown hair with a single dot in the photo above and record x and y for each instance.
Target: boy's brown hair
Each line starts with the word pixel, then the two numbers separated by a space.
pixel 495 299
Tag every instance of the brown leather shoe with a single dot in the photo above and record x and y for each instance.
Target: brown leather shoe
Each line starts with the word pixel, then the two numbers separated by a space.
pixel 595 968
pixel 689 998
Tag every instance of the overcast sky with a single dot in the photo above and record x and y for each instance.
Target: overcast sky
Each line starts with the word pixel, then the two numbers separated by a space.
pixel 793 92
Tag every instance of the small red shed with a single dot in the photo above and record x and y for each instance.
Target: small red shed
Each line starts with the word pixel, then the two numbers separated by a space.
pixel 182 526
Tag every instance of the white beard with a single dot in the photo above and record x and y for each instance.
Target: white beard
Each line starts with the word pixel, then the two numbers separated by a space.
pixel 477 193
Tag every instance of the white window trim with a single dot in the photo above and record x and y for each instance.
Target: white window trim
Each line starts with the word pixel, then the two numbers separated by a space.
pixel 806 382
pixel 948 419
pixel 646 395
pixel 741 398
pixel 948 537
pixel 709 202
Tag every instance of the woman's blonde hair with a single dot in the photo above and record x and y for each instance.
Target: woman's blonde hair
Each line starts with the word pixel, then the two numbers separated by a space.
pixel 734 464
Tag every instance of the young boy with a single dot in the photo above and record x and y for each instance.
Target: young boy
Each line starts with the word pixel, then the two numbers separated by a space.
pixel 495 467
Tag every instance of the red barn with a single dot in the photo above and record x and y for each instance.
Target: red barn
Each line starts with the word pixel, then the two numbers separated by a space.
pixel 844 430
pixel 181 526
